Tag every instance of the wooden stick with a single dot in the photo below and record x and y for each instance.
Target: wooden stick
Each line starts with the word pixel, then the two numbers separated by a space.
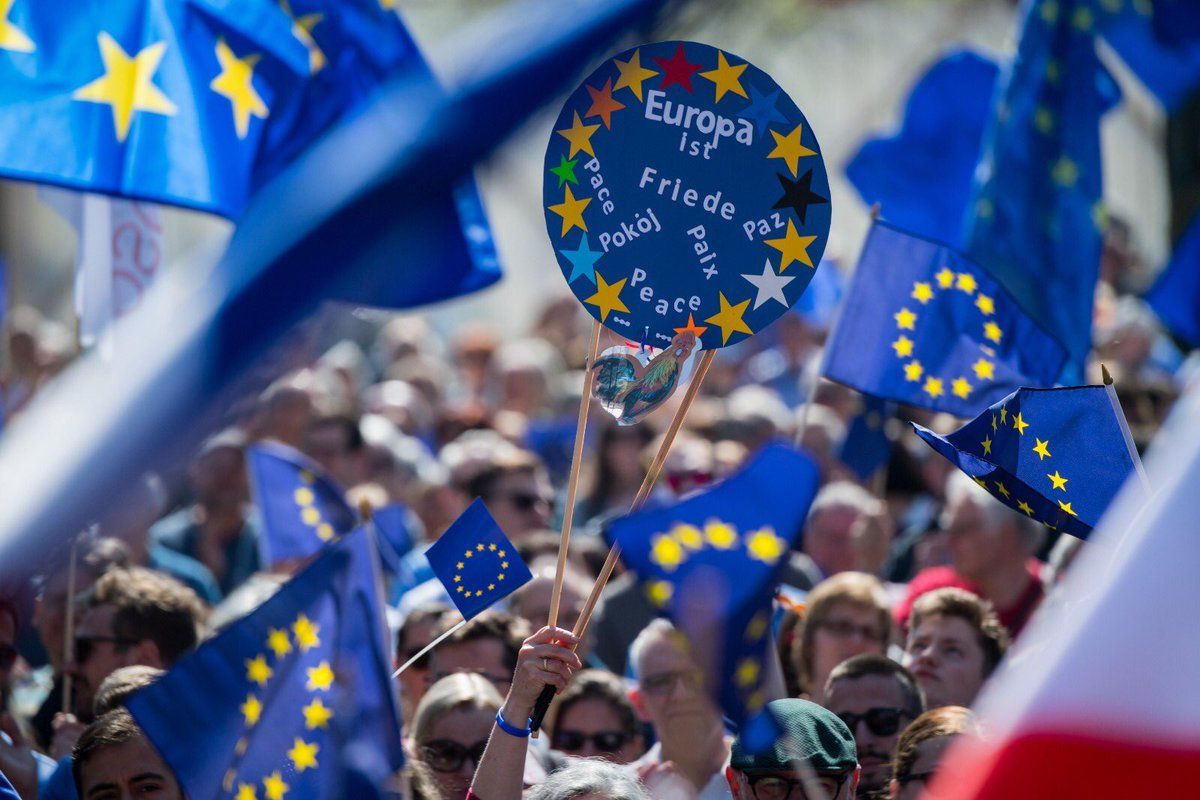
pixel 564 537
pixel 69 629
pixel 426 649
pixel 1124 425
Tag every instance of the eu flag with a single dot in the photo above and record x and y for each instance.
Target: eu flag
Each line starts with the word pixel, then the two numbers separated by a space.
pixel 302 509
pixel 394 538
pixel 295 699
pixel 1175 296
pixel 923 325
pixel 476 562
pixel 1037 214
pixel 867 446
pixel 712 562
pixel 1056 455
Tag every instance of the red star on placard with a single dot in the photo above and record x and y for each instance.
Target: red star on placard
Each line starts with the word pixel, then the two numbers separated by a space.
pixel 677 69
pixel 603 104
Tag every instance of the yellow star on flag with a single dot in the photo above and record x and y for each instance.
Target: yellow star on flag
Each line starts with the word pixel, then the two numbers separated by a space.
pixel 303 754
pixel 306 631
pixel 922 292
pixel 1026 508
pixel 757 627
pixel 580 137
pixel 792 247
pixel 994 423
pixel 688 535
pixel 666 552
pixel 304 496
pixel 987 446
pixel 245 792
pixel 571 211
pixel 1000 487
pixel 961 388
pixel 1065 173
pixel 763 545
pixel 966 282
pixel 236 84
pixel 316 714
pixel 1083 19
pixel 659 592
pixel 1020 424
pixel 1043 120
pixel 985 304
pixel 1003 414
pixel 746 672
pixel 727 78
pixel 933 387
pixel 913 371
pixel 721 535
pixel 310 516
pixel 984 369
pixel 127 84
pixel 320 677
pixel 992 332
pixel 1067 508
pixel 982 484
pixel 251 710
pixel 1057 481
pixel 257 670
pixel 729 318
pixel 789 149
pixel 632 73
pixel 905 320
pixel 1041 448
pixel 279 643
pixel 274 786
pixel 903 346
pixel 302 29
pixel 607 297
pixel 945 278
pixel 11 37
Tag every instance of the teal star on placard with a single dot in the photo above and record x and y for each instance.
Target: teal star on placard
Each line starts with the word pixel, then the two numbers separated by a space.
pixel 566 172
pixel 583 260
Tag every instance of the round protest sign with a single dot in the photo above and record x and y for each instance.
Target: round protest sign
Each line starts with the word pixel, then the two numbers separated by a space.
pixel 685 195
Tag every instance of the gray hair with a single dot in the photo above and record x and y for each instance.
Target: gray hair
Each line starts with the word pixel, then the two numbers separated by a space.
pixel 589 776
pixel 657 628
pixel 962 487
pixel 844 494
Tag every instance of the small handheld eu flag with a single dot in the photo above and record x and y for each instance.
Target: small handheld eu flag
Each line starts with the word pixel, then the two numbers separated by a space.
pixel 476 562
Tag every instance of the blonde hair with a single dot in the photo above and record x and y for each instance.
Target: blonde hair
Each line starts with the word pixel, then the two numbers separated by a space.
pixel 462 691
pixel 848 588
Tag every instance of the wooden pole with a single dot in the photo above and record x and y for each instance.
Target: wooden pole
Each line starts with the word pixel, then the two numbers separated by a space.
pixel 564 537
pixel 69 628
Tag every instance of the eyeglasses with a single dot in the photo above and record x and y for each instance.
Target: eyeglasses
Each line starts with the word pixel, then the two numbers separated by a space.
pixel 844 629
pixel 604 741
pixel 447 755
pixel 528 501
pixel 85 644
pixel 8 656
pixel 663 683
pixel 778 787
pixel 880 721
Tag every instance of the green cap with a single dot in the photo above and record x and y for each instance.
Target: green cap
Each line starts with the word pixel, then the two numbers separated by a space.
pixel 808 732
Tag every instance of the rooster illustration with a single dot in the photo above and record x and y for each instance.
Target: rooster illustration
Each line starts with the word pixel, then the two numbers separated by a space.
pixel 620 387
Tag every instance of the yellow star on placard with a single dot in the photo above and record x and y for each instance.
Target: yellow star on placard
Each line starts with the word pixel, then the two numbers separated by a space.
pixel 903 346
pixel 726 77
pixel 279 643
pixel 1020 424
pixel 666 552
pixel 789 149
pixel 984 369
pixel 1067 508
pixel 236 84
pixel 1041 448
pixel 251 710
pixel 933 387
pixel 721 535
pixel 729 318
pixel 274 786
pixel 607 297
pixel 966 282
pixel 913 370
pixel 992 332
pixel 302 29
pixel 1000 487
pixel 763 545
pixel 305 631
pixel 571 211
pixel 985 304
pixel 632 73
pixel 961 388
pixel 1057 481
pixel 303 754
pixel 922 292
pixel 320 677
pixel 945 278
pixel 1028 509
pixel 12 37
pixel 316 714
pixel 792 247
pixel 257 670
pixel 905 320
pixel 127 84
pixel 245 792
pixel 987 446
pixel 580 136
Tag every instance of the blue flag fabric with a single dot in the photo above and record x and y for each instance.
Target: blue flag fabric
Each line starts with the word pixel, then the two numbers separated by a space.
pixel 294 699
pixel 394 538
pixel 1158 48
pixel 476 562
pixel 923 325
pixel 1036 217
pixel 921 176
pixel 1175 296
pixel 1057 455
pixel 302 509
pixel 712 563
pixel 867 446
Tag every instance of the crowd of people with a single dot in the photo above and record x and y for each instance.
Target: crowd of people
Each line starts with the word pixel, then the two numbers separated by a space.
pixel 906 590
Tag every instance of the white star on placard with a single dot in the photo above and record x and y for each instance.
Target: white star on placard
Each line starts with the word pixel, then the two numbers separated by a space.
pixel 769 285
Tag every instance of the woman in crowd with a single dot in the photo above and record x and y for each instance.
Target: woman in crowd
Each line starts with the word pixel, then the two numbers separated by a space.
pixel 594 718
pixel 921 746
pixel 846 615
pixel 450 730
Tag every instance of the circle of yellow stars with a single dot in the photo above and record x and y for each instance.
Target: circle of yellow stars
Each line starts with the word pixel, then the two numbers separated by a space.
pixel 480 549
pixel 906 320
pixel 672 549
pixel 301 636
pixel 310 515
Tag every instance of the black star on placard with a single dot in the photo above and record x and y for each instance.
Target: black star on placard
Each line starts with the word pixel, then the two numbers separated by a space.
pixel 798 195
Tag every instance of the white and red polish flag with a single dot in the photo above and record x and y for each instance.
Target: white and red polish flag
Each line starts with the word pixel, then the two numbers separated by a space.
pixel 1101 698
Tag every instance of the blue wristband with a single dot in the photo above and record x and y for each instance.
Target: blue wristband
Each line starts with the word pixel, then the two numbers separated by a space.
pixel 520 733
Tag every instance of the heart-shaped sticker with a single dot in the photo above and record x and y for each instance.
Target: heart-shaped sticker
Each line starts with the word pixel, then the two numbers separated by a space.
pixel 631 381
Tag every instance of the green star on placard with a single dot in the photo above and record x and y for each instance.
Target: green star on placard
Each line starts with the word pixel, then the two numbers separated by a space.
pixel 566 171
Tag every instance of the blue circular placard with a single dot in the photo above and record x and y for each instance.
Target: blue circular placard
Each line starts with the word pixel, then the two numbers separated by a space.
pixel 685 193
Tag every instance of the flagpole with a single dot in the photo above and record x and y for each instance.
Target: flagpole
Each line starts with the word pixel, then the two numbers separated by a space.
pixel 564 540
pixel 69 629
pixel 1111 389
pixel 426 649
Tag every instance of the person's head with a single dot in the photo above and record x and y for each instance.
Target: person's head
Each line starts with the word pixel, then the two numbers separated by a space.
pixel 419 629
pixel 133 616
pixel 593 717
pixel 451 727
pixel 876 698
pixel 812 749
pixel 954 643
pixel 532 601
pixel 117 687
pixel 218 475
pixel 829 533
pixel 983 534
pixel 336 443
pixel 487 645
pixel 93 558
pixel 846 615
pixel 921 746
pixel 589 780
pixel 515 489
pixel 114 760
pixel 670 692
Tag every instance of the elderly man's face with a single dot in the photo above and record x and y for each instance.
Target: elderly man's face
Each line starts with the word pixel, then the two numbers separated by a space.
pixel 125 771
pixel 976 545
pixel 671 694
pixel 829 540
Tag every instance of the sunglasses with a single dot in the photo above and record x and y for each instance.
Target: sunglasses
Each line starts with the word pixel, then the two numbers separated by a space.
pixel 604 741
pixel 8 656
pixel 85 644
pixel 446 755
pixel 880 721
pixel 528 501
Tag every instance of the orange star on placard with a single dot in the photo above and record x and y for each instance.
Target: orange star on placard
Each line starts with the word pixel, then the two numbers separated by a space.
pixel 603 104
pixel 693 328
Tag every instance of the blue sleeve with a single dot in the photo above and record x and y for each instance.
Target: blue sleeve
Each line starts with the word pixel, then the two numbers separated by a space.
pixel 60 785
